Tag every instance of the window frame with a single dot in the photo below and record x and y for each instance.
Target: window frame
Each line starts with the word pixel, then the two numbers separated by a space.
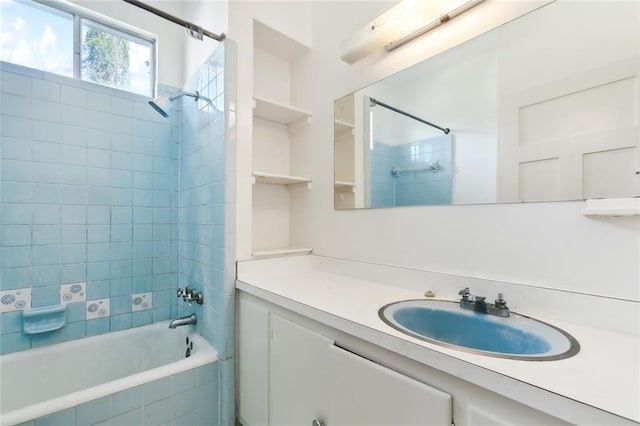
pixel 107 24
pixel 92 23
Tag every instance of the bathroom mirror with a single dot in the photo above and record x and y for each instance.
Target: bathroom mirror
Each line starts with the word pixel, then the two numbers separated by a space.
pixel 543 108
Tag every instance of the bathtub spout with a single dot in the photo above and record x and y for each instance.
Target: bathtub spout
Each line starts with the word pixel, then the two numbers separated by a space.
pixel 189 319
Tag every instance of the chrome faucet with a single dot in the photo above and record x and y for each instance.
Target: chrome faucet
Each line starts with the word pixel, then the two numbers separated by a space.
pixel 190 295
pixel 186 320
pixel 478 304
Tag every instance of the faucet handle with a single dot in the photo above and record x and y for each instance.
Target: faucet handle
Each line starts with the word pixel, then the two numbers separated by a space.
pixel 464 292
pixel 500 302
pixel 195 296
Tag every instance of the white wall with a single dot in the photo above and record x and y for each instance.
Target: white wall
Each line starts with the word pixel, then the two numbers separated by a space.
pixel 542 244
pixel 572 97
pixel 212 15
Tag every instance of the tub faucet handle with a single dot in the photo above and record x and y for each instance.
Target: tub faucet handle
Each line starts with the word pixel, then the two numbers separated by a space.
pixel 194 296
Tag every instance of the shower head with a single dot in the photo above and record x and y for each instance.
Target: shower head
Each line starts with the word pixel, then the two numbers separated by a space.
pixel 163 104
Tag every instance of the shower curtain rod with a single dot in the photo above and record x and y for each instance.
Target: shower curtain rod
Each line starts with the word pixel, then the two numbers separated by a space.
pixel 374 102
pixel 195 31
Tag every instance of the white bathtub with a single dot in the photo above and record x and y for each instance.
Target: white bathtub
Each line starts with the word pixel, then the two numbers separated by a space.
pixel 57 378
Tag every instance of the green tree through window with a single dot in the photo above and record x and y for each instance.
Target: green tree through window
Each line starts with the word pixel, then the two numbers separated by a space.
pixel 105 58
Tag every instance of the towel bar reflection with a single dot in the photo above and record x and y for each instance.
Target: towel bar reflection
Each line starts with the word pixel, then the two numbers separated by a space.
pixel 429 167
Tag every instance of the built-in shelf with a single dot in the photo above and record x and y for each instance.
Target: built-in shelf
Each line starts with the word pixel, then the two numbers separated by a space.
pixel 277 128
pixel 293 182
pixel 341 128
pixel 612 207
pixel 342 186
pixel 276 43
pixel 279 113
pixel 281 252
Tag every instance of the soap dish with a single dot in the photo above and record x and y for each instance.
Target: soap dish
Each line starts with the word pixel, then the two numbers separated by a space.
pixel 41 320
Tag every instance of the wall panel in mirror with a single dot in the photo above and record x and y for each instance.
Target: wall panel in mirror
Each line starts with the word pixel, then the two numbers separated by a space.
pixel 543 108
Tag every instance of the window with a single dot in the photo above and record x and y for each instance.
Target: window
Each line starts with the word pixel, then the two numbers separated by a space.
pixel 107 53
pixel 37 36
pixel 115 59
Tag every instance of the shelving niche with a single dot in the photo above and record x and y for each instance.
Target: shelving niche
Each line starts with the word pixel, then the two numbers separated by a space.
pixel 345 153
pixel 279 134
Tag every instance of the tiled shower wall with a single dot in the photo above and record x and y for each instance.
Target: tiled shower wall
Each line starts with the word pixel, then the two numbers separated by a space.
pixel 414 185
pixel 89 194
pixel 382 161
pixel 206 212
pixel 424 187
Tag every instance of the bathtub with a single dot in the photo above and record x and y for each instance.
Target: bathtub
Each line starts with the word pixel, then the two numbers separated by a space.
pixel 136 376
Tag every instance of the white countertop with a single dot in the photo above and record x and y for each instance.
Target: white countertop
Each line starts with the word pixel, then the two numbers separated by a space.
pixel 605 374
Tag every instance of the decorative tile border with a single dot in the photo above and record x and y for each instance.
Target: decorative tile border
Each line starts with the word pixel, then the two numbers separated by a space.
pixel 98 308
pixel 141 302
pixel 15 300
pixel 70 293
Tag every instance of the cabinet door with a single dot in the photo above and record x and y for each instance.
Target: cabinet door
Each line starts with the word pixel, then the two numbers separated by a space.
pixel 365 393
pixel 500 411
pixel 253 363
pixel 298 367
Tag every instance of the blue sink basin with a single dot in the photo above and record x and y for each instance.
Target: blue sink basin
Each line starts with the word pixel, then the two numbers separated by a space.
pixel 445 323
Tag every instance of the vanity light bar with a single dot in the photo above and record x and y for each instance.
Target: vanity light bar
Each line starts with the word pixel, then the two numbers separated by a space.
pixel 431 24
pixel 401 24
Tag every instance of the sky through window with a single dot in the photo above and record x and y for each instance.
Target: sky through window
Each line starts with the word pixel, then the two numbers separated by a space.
pixel 41 37
pixel 37 36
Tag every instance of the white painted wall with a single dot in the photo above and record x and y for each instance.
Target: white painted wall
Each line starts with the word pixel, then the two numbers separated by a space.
pixel 542 244
pixel 212 15
pixel 573 95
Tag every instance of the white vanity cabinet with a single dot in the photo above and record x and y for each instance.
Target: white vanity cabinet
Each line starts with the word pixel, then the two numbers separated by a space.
pixel 293 370
pixel 365 393
pixel 298 367
pixel 310 378
pixel 252 355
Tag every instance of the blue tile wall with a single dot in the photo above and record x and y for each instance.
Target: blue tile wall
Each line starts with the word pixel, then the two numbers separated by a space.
pixel 88 194
pixel 382 184
pixel 206 251
pixel 424 187
pixel 202 178
pixel 412 188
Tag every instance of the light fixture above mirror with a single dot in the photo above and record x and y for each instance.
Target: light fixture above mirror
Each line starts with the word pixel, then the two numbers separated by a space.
pixel 401 24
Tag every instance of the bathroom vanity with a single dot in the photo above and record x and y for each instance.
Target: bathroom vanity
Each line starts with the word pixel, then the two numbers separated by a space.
pixel 312 349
